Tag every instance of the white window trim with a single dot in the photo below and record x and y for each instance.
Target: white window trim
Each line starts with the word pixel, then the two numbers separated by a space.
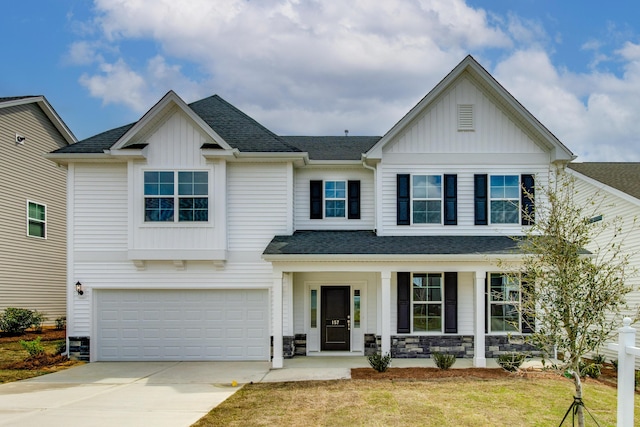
pixel 498 199
pixel 29 219
pixel 441 200
pixel 325 199
pixel 490 303
pixel 176 200
pixel 429 303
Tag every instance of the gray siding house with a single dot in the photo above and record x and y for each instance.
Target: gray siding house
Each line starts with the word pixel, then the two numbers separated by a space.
pixel 33 210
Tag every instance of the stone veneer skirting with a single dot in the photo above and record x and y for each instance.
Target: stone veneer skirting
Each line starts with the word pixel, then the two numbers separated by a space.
pixel 79 348
pixel 423 346
pixel 495 345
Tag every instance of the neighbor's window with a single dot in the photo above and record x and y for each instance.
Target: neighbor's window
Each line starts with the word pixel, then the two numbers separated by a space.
pixel 426 196
pixel 427 302
pixel 162 203
pixel 314 308
pixel 505 199
pixel 36 220
pixel 335 199
pixel 504 301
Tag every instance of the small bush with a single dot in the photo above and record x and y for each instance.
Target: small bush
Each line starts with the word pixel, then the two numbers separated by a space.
pixel 34 348
pixel 379 362
pixel 37 319
pixel 598 359
pixel 61 323
pixel 614 363
pixel 444 361
pixel 61 348
pixel 16 320
pixel 592 370
pixel 511 361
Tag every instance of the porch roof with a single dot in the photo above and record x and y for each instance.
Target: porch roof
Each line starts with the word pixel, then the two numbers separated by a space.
pixel 368 243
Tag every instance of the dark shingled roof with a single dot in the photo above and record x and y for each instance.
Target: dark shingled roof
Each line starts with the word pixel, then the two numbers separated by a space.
pixel 15 98
pixel 235 127
pixel 621 176
pixel 368 243
pixel 333 147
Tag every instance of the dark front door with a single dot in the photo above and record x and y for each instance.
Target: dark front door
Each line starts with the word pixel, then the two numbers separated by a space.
pixel 336 319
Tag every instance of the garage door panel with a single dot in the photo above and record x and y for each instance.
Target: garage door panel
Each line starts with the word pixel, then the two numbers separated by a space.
pixel 182 325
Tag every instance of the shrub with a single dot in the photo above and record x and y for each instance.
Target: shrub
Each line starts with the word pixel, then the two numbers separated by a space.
pixel 444 361
pixel 598 359
pixel 592 370
pixel 61 323
pixel 379 362
pixel 37 319
pixel 614 363
pixel 511 361
pixel 61 348
pixel 34 348
pixel 16 320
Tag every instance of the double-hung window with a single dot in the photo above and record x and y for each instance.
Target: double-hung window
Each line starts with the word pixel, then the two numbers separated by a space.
pixel 504 302
pixel 36 220
pixel 505 199
pixel 335 199
pixel 176 196
pixel 427 302
pixel 426 196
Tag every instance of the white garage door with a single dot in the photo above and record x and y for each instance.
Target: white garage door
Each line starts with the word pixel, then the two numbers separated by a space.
pixel 182 325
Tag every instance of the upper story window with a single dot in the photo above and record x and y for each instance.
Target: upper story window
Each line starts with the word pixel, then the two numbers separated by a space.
pixel 176 196
pixel 505 199
pixel 426 196
pixel 335 199
pixel 504 303
pixel 36 220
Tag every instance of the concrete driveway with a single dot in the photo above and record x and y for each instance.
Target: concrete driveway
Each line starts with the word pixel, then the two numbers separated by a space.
pixel 125 393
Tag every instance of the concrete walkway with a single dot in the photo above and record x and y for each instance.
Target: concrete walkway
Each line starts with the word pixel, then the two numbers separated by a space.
pixel 162 394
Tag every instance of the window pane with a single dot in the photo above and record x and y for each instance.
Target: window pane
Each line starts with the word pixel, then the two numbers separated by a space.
pixel 434 187
pixel 419 187
pixel 194 209
pixel 356 308
pixel 36 229
pixel 504 212
pixel 314 308
pixel 158 209
pixel 36 211
pixel 158 183
pixel 334 208
pixel 420 318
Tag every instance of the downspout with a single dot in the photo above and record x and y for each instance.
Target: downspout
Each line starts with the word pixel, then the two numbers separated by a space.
pixel 375 193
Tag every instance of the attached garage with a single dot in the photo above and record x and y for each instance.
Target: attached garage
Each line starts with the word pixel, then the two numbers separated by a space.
pixel 190 325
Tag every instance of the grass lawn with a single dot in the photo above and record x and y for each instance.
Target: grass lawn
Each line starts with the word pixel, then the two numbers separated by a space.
pixel 514 401
pixel 11 352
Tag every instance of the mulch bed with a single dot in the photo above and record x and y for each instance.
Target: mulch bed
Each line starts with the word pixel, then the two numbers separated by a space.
pixel 428 373
pixel 47 334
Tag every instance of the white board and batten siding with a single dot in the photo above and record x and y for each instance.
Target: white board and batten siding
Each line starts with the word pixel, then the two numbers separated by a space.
pixel 302 199
pixel 33 269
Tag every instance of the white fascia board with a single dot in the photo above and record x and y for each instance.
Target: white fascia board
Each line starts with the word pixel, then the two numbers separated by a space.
pixel 334 163
pixel 212 153
pixel 390 258
pixel 166 101
pixel 66 158
pixel 298 159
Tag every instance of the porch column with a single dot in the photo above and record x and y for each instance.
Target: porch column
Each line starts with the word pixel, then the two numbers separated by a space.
pixel 385 312
pixel 479 361
pixel 276 319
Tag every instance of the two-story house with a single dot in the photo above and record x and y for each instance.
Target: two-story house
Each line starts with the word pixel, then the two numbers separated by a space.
pixel 33 266
pixel 197 234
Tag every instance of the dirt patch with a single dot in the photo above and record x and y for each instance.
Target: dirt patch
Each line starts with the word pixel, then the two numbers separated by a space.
pixel 40 361
pixel 428 373
pixel 47 334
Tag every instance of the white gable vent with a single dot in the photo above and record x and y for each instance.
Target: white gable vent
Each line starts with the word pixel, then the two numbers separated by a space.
pixel 465 117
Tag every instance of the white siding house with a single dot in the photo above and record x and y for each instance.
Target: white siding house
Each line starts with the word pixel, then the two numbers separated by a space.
pixel 197 234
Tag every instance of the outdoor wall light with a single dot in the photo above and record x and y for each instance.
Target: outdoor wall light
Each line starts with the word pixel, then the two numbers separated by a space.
pixel 79 288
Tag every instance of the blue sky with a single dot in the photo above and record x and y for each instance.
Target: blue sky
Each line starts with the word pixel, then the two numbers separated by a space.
pixel 303 67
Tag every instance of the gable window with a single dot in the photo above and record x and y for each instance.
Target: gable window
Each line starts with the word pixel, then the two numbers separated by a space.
pixel 335 197
pixel 36 220
pixel 176 196
pixel 427 302
pixel 426 196
pixel 505 199
pixel 504 303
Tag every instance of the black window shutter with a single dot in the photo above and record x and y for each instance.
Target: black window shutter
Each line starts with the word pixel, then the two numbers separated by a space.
pixel 528 320
pixel 450 199
pixel 486 304
pixel 354 200
pixel 404 302
pixel 403 199
pixel 315 197
pixel 528 189
pixel 451 302
pixel 480 199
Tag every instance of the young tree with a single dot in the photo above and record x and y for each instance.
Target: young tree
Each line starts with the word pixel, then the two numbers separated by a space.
pixel 573 297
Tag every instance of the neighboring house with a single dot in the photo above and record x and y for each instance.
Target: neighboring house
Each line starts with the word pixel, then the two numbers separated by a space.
pixel 618 185
pixel 33 265
pixel 197 234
